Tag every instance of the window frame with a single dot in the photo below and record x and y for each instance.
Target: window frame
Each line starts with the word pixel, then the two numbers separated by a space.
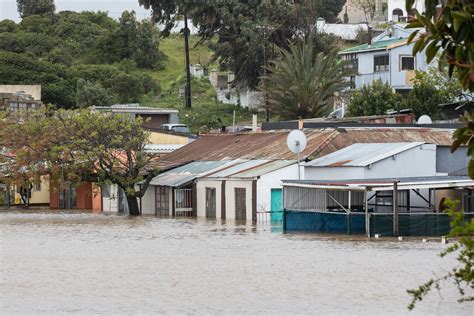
pixel 386 66
pixel 400 62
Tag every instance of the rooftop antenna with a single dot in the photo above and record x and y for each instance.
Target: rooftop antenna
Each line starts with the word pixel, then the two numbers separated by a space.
pixel 296 142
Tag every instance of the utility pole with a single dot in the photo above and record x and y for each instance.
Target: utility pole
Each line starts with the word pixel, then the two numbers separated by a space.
pixel 267 112
pixel 187 91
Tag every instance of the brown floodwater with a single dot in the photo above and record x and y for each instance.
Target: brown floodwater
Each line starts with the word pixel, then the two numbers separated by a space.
pixel 57 263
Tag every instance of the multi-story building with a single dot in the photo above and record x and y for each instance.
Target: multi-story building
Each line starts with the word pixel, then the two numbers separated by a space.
pixel 388 57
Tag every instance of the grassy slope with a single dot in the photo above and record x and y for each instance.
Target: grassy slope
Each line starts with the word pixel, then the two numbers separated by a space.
pixel 173 48
pixel 206 110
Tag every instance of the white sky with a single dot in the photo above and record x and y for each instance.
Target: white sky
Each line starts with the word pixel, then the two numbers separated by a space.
pixel 114 7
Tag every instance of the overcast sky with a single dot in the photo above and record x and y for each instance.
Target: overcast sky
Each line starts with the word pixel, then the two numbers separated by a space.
pixel 114 7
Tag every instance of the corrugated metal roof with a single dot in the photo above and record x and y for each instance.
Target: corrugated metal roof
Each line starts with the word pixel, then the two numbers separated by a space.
pixel 237 167
pixel 265 168
pixel 187 173
pixel 162 148
pixel 374 46
pixel 361 155
pixel 271 145
pixel 386 184
pixel 249 168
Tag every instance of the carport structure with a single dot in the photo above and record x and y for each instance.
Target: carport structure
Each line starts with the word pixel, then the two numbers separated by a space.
pixel 388 207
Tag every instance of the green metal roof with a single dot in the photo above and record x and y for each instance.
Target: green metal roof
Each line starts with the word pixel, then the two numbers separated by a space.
pixel 373 46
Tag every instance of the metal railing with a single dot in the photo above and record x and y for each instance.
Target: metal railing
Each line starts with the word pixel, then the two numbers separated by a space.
pixel 183 202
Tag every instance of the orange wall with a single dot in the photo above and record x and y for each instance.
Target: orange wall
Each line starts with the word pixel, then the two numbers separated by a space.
pixel 53 199
pixel 84 197
pixel 96 199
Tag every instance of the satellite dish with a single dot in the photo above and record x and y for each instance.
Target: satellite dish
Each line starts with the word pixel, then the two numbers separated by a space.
pixel 296 141
pixel 425 119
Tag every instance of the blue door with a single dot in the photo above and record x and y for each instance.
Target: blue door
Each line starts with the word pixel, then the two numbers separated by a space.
pixel 276 208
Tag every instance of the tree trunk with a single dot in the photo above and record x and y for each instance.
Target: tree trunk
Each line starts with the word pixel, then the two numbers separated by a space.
pixel 133 206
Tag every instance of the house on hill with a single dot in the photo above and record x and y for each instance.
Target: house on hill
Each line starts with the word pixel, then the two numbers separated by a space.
pixel 388 57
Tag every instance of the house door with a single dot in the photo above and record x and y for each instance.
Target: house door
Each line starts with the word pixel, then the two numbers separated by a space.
pixel 122 202
pixel 210 202
pixel 162 207
pixel 276 209
pixel 67 197
pixel 240 204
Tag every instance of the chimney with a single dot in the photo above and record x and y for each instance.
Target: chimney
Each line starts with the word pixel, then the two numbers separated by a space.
pixel 369 35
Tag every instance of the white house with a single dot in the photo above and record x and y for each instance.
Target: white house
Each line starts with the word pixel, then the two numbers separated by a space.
pixel 246 191
pixel 388 57
pixel 397 10
pixel 375 160
pixel 379 161
pixel 172 193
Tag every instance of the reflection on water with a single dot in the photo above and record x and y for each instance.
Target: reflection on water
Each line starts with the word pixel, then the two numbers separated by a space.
pixel 94 263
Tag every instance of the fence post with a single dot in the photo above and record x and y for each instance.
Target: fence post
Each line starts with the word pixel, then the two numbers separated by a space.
pixel 395 208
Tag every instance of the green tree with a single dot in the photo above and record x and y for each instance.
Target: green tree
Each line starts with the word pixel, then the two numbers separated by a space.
pixel 463 275
pixel 128 88
pixel 58 87
pixel 85 146
pixel 450 31
pixel 131 39
pixel 31 7
pixel 301 84
pixel 430 89
pixel 89 93
pixel 374 99
pixel 244 34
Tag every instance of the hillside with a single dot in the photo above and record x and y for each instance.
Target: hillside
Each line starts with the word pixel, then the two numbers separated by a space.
pixel 206 111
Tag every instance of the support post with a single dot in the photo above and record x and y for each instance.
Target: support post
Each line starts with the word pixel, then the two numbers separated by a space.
pixel 349 202
pixel 299 167
pixel 367 220
pixel 395 208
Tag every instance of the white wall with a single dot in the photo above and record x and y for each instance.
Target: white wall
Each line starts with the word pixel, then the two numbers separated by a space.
pixel 273 180
pixel 333 173
pixel 416 162
pixel 201 185
pixel 400 4
pixel 148 201
pixel 111 204
pixel 395 77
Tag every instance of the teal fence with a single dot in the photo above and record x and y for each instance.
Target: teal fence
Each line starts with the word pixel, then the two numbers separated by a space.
pixel 324 222
pixel 413 224
pixel 410 224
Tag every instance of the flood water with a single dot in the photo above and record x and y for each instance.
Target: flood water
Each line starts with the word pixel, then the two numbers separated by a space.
pixel 56 263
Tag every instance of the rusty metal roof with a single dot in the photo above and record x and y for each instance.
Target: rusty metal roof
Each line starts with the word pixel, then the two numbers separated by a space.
pixel 271 145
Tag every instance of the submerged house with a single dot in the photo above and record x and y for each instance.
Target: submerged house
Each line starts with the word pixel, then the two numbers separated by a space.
pixel 373 206
pixel 173 192
pixel 245 191
pixel 358 189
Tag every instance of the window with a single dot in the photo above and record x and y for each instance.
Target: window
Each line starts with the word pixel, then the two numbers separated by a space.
pixel 381 63
pixel 352 82
pixel 106 191
pixel 37 184
pixel 407 62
